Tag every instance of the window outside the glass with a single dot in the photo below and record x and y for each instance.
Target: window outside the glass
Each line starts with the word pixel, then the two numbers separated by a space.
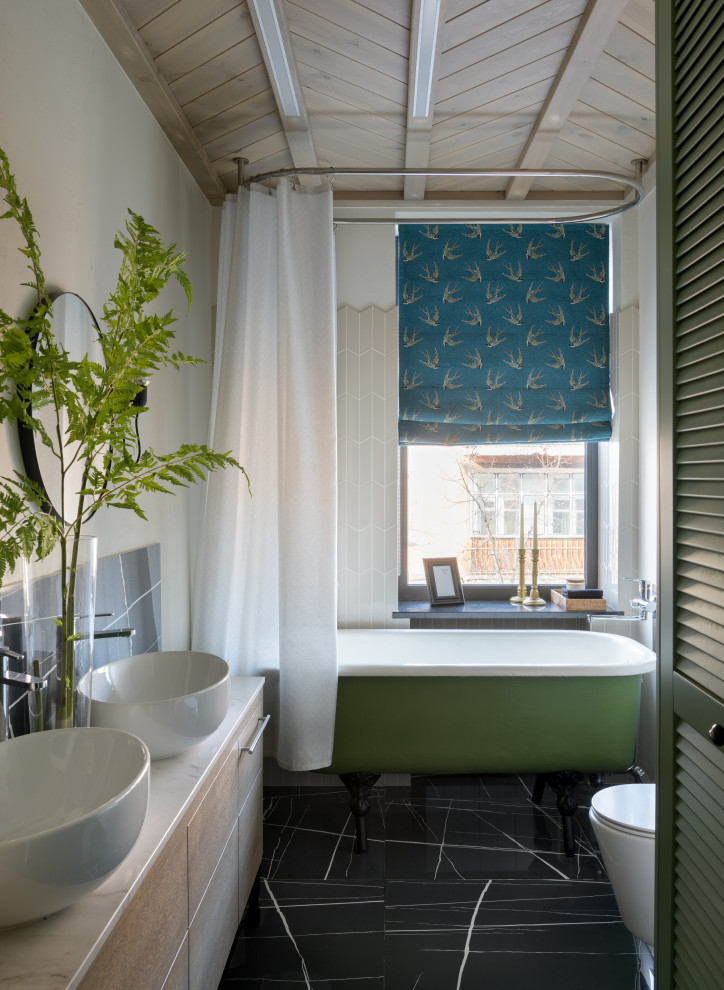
pixel 465 502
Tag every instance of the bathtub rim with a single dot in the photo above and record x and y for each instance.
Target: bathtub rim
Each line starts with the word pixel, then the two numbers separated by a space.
pixel 638 659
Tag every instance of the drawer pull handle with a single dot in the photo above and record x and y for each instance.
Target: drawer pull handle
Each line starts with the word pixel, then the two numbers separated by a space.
pixel 716 734
pixel 259 732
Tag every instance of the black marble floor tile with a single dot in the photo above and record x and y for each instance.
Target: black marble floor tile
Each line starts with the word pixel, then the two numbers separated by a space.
pixel 501 934
pixel 312 934
pixel 465 885
pixel 311 837
pixel 446 831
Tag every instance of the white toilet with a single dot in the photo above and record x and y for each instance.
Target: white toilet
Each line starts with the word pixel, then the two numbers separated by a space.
pixel 623 820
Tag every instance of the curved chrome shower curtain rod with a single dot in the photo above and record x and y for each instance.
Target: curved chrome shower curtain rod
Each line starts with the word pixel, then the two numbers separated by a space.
pixel 505 173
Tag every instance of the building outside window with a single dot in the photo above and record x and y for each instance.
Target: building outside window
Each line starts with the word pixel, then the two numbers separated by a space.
pixel 465 502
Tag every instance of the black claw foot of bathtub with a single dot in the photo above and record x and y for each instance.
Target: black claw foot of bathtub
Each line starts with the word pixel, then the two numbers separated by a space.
pixel 359 785
pixel 538 788
pixel 563 783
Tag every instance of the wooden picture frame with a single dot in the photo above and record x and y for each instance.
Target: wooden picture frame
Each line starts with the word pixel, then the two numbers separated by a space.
pixel 443 581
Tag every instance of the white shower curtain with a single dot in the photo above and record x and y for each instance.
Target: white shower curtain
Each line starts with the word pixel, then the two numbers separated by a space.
pixel 266 591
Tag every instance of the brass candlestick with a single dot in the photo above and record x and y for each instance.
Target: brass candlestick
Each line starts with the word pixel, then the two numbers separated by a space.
pixel 534 598
pixel 519 597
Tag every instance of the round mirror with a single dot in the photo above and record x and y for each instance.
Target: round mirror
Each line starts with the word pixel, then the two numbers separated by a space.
pixel 75 328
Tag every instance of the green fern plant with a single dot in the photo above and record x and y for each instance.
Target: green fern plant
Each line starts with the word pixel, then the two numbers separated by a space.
pixel 97 430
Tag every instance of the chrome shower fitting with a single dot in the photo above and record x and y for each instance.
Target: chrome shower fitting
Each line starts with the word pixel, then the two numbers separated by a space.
pixel 645 602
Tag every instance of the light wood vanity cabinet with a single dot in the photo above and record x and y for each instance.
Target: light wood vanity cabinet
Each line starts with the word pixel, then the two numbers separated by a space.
pixel 250 839
pixel 212 929
pixel 216 869
pixel 209 829
pixel 155 917
pixel 178 978
pixel 178 929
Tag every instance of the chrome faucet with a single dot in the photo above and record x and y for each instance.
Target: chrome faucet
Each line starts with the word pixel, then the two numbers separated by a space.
pixel 646 600
pixel 10 654
pixel 11 678
pixel 114 634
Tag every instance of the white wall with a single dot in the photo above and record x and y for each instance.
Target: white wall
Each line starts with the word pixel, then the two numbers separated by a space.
pixel 629 479
pixel 634 379
pixel 648 424
pixel 365 257
pixel 84 148
pixel 648 450
pixel 367 386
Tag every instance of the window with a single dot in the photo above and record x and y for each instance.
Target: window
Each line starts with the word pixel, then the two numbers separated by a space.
pixel 465 502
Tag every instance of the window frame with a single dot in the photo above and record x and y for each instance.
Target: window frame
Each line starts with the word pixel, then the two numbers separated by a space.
pixel 498 592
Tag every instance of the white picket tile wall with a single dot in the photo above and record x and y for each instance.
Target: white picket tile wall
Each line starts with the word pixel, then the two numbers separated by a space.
pixel 368 466
pixel 619 468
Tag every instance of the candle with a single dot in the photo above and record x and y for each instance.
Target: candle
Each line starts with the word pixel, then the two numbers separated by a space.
pixel 522 528
pixel 535 526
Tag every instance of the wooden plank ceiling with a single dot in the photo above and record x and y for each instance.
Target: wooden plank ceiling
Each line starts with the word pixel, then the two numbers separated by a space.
pixel 557 84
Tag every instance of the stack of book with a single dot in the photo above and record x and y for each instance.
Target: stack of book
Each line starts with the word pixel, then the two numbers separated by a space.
pixel 583 600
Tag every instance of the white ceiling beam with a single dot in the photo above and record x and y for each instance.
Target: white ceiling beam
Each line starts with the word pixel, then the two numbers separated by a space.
pixel 595 27
pixel 426 29
pixel 272 33
pixel 117 30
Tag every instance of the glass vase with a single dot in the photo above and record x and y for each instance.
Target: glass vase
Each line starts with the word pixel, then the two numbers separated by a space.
pixel 61 591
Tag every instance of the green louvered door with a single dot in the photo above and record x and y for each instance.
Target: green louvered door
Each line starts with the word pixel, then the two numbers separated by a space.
pixel 690 190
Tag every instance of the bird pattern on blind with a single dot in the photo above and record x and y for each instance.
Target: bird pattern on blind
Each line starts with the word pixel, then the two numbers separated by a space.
pixel 504 333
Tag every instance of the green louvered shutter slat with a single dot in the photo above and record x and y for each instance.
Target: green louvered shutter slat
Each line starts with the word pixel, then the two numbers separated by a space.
pixel 698 472
pixel 695 305
pixel 694 566
pixel 699 192
pixel 704 248
pixel 699 860
pixel 700 161
pixel 698 89
pixel 708 419
pixel 701 453
pixel 700 120
pixel 690 869
pixel 704 167
pixel 700 590
pixel 706 351
pixel 697 405
pixel 705 328
pixel 709 227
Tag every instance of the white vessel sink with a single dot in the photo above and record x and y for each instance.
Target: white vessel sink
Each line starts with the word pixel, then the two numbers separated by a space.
pixel 72 803
pixel 171 700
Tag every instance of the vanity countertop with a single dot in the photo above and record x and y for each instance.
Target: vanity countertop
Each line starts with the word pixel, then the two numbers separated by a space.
pixel 54 954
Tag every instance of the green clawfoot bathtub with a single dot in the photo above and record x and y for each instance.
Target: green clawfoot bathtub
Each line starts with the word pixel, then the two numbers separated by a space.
pixel 558 703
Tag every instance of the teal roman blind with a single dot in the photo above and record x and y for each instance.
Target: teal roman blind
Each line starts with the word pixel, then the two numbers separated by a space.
pixel 504 333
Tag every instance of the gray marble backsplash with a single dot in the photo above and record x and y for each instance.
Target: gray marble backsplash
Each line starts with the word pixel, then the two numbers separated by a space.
pixel 128 616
